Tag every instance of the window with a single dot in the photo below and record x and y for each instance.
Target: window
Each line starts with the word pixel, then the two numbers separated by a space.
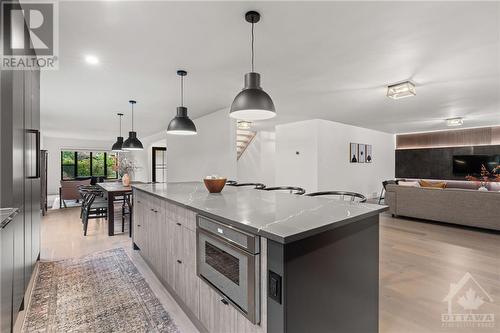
pixel 84 164
pixel 68 166
pixel 111 161
pixel 98 164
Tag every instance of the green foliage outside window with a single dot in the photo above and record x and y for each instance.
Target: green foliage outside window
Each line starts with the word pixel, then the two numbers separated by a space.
pixel 87 164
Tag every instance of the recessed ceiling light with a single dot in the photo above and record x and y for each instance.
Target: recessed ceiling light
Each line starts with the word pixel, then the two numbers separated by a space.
pixel 459 121
pixel 401 90
pixel 90 59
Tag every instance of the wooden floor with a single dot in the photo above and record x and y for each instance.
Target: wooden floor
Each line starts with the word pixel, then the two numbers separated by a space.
pixel 418 261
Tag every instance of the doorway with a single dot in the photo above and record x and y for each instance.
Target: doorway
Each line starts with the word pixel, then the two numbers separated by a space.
pixel 159 165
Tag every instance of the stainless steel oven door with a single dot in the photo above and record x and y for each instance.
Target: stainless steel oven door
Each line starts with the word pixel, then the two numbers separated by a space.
pixel 233 271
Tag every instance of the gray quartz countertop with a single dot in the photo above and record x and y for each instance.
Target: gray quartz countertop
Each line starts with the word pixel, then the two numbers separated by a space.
pixel 279 216
pixel 6 214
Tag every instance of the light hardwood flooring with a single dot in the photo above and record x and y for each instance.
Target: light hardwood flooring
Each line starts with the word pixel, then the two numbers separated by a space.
pixel 418 261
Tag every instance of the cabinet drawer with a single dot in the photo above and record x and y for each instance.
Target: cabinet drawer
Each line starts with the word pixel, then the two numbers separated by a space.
pixel 181 216
pixel 216 314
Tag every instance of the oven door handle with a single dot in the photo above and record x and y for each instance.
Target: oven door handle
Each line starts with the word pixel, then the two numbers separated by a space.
pixel 225 241
pixel 252 240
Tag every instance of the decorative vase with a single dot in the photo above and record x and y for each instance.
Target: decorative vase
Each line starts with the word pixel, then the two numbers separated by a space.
pixel 126 180
pixel 483 187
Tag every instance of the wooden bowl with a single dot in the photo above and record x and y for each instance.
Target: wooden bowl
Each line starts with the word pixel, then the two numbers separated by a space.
pixel 215 185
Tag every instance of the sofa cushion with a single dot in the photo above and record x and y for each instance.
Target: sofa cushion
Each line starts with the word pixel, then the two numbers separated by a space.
pixel 409 184
pixel 424 183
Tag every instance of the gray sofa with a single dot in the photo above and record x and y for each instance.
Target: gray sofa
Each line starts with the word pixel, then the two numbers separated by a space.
pixel 452 205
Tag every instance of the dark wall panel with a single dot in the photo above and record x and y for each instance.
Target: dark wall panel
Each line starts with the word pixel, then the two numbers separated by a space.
pixel 435 163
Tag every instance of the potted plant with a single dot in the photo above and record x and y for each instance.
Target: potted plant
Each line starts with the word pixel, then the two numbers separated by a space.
pixel 125 167
pixel 486 177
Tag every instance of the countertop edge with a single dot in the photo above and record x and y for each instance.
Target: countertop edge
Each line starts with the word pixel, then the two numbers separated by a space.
pixel 264 233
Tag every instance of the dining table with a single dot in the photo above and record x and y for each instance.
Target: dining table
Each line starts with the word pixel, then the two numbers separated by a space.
pixel 113 190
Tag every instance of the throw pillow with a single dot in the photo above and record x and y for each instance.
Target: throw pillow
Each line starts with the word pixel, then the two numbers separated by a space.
pixel 424 183
pixel 408 184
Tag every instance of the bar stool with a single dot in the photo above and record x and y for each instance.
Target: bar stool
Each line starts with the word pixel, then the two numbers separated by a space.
pixel 258 186
pixel 384 185
pixel 352 196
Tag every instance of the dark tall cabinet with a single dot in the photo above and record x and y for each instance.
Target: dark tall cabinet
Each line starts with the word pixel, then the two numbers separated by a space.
pixel 20 187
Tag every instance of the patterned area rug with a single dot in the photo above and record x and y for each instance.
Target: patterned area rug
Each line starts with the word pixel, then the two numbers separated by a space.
pixel 102 292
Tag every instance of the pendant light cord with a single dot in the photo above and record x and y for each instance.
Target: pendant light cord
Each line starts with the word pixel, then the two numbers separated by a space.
pixel 132 117
pixel 252 48
pixel 182 90
pixel 120 125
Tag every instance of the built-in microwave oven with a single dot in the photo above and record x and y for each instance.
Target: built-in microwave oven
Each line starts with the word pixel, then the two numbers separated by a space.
pixel 229 260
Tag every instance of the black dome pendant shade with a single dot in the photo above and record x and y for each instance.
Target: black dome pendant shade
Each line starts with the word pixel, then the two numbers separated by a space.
pixel 132 143
pixel 117 146
pixel 252 103
pixel 181 124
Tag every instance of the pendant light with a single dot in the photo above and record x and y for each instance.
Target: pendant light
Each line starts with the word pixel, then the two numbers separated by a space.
pixel 181 124
pixel 252 103
pixel 117 146
pixel 132 143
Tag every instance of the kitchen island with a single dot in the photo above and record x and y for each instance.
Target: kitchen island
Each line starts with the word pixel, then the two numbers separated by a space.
pixel 248 260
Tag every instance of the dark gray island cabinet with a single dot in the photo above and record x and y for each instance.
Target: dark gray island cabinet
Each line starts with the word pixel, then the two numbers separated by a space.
pixel 247 260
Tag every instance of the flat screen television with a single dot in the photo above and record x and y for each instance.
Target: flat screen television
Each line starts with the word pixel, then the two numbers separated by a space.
pixel 464 165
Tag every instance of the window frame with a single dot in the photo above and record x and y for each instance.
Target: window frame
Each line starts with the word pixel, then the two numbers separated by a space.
pixel 75 165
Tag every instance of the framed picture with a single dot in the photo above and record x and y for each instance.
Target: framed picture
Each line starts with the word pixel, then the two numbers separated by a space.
pixel 361 153
pixel 353 153
pixel 369 155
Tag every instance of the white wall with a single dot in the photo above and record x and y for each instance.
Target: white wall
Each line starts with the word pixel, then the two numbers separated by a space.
pixel 335 172
pixel 54 145
pixel 300 169
pixel 323 160
pixel 143 158
pixel 211 151
pixel 189 158
pixel 257 164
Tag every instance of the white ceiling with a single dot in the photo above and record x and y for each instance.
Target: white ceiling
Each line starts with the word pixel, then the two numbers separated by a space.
pixel 329 60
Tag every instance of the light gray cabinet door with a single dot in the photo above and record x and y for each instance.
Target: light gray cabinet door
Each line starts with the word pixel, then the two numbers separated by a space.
pixel 188 281
pixel 215 313
pixel 182 276
pixel 140 222
pixel 155 219
pixel 165 246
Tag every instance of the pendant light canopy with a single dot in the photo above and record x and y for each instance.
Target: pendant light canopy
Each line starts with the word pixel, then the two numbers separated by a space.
pixel 252 103
pixel 117 146
pixel 132 143
pixel 181 124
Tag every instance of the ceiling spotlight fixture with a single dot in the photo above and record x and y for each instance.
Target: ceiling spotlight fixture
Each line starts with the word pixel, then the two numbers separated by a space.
pixel 252 103
pixel 181 124
pixel 459 121
pixel 401 90
pixel 244 125
pixel 90 59
pixel 117 146
pixel 132 143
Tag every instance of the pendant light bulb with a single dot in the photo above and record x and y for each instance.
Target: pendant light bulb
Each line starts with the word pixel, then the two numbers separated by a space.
pixel 181 124
pixel 252 103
